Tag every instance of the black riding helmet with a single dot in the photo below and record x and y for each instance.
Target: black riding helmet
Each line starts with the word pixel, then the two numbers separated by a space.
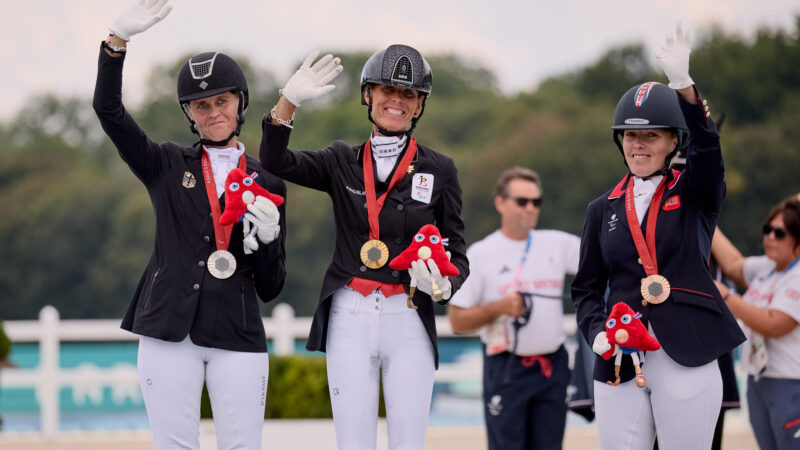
pixel 649 106
pixel 209 74
pixel 400 66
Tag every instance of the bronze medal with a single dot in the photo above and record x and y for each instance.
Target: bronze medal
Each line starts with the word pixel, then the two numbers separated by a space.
pixel 374 254
pixel 221 264
pixel 655 289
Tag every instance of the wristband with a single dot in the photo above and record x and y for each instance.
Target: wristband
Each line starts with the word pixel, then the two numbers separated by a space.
pixel 286 123
pixel 113 48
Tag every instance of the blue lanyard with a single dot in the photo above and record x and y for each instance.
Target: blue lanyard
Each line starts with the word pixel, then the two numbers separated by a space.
pixel 789 267
pixel 517 275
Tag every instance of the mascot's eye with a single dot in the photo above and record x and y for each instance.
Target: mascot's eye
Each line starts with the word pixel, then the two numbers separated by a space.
pixel 611 323
pixel 420 237
pixel 247 181
pixel 434 239
pixel 233 186
pixel 626 319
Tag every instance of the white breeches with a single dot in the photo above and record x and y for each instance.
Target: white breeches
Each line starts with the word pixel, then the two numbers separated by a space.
pixel 376 338
pixel 171 375
pixel 680 404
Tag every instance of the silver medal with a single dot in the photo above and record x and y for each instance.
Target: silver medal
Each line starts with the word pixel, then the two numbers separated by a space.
pixel 221 264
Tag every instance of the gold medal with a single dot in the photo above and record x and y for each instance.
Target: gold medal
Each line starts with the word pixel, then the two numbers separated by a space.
pixel 221 264
pixel 655 289
pixel 374 254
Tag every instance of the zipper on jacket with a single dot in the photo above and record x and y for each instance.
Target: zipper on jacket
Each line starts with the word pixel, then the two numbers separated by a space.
pixel 244 311
pixel 150 291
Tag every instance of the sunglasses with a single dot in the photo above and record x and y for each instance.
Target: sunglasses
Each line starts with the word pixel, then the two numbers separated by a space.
pixel 523 201
pixel 780 233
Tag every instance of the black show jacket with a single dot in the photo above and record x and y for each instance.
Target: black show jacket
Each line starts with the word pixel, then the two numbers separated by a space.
pixel 338 171
pixel 694 326
pixel 177 295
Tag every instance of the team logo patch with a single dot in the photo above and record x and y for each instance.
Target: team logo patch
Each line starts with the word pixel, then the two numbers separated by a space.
pixel 422 187
pixel 673 202
pixel 189 181
pixel 642 93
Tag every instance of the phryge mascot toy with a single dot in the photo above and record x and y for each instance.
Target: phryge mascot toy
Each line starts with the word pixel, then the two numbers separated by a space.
pixel 427 244
pixel 240 191
pixel 627 335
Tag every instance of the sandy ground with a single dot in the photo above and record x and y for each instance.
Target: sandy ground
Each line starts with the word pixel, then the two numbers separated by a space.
pixel 319 435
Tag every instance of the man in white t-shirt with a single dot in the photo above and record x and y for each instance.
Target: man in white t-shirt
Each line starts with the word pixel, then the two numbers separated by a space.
pixel 513 295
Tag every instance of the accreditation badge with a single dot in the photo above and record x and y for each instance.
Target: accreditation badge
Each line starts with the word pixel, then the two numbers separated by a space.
pixel 221 264
pixel 422 187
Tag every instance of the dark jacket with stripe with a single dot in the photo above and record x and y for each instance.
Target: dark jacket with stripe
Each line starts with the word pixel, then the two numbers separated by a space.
pixel 694 326
pixel 176 295
pixel 338 171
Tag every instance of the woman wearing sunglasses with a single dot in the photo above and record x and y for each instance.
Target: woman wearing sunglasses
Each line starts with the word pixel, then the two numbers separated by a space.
pixel 770 311
pixel 647 241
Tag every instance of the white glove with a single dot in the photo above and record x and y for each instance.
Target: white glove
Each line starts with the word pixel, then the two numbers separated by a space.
pixel 426 275
pixel 674 59
pixel 601 344
pixel 139 17
pixel 312 81
pixel 264 215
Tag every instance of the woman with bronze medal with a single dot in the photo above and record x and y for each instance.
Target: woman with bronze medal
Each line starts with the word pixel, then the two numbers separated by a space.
pixel 648 241
pixel 195 308
pixel 383 191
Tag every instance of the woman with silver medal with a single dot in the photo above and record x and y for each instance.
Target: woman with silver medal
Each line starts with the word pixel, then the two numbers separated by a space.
pixel 648 240
pixel 196 309
pixel 770 311
pixel 383 191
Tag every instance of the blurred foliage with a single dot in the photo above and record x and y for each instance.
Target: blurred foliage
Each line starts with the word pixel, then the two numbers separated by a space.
pixel 78 226
pixel 297 389
pixel 5 343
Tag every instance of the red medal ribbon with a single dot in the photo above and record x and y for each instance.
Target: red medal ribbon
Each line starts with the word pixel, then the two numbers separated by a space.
pixel 374 206
pixel 646 250
pixel 222 234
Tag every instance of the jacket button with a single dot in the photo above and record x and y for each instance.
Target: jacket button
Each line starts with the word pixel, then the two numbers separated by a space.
pixel 400 207
pixel 201 263
pixel 395 273
pixel 195 287
pixel 363 268
pixel 207 238
pixel 365 205
pixel 398 241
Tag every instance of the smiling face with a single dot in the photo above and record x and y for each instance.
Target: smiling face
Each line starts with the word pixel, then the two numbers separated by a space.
pixel 393 107
pixel 216 116
pixel 646 150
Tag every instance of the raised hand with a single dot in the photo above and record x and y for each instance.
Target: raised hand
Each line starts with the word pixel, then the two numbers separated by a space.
pixel 311 81
pixel 139 17
pixel 674 59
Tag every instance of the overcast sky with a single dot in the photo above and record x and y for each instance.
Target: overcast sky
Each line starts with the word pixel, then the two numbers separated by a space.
pixel 51 45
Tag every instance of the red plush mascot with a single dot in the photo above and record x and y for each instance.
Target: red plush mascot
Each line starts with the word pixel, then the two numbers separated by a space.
pixel 627 335
pixel 240 191
pixel 427 244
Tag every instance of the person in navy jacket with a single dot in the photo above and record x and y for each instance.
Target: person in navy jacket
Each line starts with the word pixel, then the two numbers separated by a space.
pixel 195 309
pixel 648 240
pixel 363 320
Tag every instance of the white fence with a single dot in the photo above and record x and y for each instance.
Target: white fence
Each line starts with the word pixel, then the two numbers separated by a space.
pixel 283 329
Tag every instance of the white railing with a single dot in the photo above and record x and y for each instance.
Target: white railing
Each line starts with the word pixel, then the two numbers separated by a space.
pixel 283 329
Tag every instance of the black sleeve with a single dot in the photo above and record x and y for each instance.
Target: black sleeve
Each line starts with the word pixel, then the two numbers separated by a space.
pixel 589 285
pixel 309 169
pixel 142 155
pixel 704 168
pixel 270 266
pixel 451 224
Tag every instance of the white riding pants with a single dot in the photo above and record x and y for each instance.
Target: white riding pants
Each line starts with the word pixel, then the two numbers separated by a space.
pixel 679 404
pixel 372 338
pixel 171 375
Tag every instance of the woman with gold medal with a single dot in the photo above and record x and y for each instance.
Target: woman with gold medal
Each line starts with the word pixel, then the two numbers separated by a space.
pixel 647 241
pixel 383 191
